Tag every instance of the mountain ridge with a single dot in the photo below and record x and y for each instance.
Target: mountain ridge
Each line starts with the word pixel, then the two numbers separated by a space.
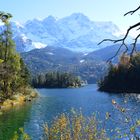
pixel 75 32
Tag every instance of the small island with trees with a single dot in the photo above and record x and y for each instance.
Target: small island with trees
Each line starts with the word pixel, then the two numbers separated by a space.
pixel 57 80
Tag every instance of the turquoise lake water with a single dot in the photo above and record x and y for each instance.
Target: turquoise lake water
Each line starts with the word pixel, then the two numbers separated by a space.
pixel 52 102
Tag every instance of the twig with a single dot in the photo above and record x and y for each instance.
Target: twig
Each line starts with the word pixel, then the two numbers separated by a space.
pixel 134 45
pixel 132 12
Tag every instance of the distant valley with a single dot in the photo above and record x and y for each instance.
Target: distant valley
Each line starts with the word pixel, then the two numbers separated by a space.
pixel 90 66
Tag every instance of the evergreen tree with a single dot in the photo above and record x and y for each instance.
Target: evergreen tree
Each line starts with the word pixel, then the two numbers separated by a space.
pixel 123 77
pixel 10 65
pixel 13 72
pixel 24 73
pixel 56 80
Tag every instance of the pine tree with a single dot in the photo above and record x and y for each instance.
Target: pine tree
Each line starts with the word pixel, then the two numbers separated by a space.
pixel 56 80
pixel 10 64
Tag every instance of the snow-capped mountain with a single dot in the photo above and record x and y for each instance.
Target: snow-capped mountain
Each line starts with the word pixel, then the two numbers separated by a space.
pixel 75 32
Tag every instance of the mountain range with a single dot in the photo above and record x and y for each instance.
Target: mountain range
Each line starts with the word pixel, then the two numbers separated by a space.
pixel 75 32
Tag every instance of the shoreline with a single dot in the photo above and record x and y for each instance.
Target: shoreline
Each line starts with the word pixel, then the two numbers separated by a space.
pixel 17 100
pixel 117 91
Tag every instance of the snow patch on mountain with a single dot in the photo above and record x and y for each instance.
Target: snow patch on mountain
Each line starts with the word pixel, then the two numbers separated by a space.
pixel 24 37
pixel 50 53
pixel 85 54
pixel 38 45
pixel 18 25
pixel 81 61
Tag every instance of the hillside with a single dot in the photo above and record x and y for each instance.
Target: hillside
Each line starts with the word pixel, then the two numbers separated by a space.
pixel 106 53
pixel 64 60
pixel 90 66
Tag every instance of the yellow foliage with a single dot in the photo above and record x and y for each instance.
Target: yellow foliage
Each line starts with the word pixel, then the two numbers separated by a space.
pixel 74 127
pixel 124 60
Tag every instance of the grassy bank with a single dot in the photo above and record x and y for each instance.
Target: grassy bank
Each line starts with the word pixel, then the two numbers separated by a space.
pixel 18 99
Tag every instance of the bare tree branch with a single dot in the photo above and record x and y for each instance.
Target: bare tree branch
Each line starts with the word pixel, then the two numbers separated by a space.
pixel 126 48
pixel 134 45
pixel 122 40
pixel 109 60
pixel 132 12
pixel 111 40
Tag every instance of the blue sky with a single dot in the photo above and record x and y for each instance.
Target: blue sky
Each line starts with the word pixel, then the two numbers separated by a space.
pixel 96 10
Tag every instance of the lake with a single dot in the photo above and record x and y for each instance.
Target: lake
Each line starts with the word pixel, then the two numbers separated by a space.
pixel 52 102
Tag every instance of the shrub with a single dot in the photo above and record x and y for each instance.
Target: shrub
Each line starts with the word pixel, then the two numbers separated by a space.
pixel 74 127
